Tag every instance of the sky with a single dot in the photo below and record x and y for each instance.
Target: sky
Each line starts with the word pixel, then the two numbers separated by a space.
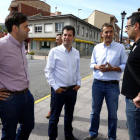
pixel 113 7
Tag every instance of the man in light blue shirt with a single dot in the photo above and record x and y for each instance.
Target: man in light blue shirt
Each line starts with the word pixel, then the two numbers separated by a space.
pixel 62 73
pixel 107 62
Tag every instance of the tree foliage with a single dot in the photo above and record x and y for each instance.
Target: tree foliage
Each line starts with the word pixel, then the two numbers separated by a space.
pixel 2 27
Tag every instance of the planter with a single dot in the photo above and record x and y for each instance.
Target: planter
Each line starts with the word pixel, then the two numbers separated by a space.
pixel 29 56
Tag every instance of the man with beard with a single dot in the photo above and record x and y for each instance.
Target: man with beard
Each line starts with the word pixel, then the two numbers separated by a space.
pixel 131 78
pixel 16 101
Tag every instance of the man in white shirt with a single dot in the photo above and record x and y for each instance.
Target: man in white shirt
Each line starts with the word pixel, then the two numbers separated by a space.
pixel 58 42
pixel 62 73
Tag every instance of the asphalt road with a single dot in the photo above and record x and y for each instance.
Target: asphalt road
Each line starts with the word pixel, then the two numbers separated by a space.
pixel 38 83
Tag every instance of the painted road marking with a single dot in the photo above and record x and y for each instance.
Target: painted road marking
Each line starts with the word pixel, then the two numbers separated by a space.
pixel 50 94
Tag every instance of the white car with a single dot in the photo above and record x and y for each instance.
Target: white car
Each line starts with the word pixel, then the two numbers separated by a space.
pixel 128 52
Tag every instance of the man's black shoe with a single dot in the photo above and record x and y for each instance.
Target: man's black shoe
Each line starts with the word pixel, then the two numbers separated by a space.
pixel 71 138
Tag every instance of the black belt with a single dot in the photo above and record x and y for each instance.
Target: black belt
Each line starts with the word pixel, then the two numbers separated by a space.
pixel 108 82
pixel 17 92
pixel 68 88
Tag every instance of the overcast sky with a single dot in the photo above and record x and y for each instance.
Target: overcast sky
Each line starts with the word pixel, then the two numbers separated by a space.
pixel 113 7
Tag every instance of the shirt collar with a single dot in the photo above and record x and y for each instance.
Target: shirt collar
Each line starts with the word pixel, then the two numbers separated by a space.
pixel 111 44
pixel 64 49
pixel 14 41
pixel 137 42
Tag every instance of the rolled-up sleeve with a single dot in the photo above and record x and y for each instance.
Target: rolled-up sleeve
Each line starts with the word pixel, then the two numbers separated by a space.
pixel 93 61
pixel 123 59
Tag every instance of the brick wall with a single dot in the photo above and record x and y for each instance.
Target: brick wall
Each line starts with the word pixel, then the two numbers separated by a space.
pixel 36 4
pixel 29 11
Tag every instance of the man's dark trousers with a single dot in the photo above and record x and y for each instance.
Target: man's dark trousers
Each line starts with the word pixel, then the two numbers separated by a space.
pixel 68 98
pixel 17 109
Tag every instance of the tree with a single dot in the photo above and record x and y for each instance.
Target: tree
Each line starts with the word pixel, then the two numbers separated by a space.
pixel 2 27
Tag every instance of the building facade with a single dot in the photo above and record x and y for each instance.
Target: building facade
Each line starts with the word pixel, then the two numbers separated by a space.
pixel 30 7
pixel 43 31
pixel 98 18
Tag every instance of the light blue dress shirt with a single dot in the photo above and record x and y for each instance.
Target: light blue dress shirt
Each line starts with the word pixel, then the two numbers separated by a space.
pixel 114 54
pixel 62 68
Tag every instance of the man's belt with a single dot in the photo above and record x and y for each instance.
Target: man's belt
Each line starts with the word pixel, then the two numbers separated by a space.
pixel 17 92
pixel 68 88
pixel 108 82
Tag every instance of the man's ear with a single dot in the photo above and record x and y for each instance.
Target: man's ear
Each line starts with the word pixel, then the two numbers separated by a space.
pixel 15 28
pixel 137 26
pixel 101 34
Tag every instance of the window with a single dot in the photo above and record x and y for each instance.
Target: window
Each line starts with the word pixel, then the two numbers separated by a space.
pixel 77 29
pixel 94 35
pixel 87 33
pixel 83 31
pixel 59 27
pixel 38 28
pixel 45 45
pixel 31 29
pixel 90 33
pixel 78 46
pixel 48 28
pixel 34 45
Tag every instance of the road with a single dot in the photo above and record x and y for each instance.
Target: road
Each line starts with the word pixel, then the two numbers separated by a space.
pixel 38 83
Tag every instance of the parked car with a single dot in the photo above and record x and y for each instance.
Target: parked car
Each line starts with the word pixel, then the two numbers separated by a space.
pixel 128 52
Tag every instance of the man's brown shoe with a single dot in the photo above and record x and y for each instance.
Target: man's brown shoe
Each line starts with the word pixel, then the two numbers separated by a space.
pixel 90 138
pixel 48 116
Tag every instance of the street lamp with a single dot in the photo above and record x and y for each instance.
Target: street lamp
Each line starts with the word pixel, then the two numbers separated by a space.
pixel 78 12
pixel 123 16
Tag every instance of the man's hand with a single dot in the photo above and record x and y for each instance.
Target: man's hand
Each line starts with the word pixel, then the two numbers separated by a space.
pixel 3 94
pixel 105 67
pixel 136 100
pixel 60 90
pixel 76 88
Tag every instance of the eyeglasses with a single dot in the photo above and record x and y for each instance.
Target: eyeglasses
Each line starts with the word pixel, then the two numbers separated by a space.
pixel 126 27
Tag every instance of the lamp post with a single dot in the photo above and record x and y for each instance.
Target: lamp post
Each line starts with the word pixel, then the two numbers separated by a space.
pixel 78 12
pixel 123 16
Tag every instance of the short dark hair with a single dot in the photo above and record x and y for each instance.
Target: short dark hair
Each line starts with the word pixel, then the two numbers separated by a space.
pixel 14 18
pixel 58 34
pixel 106 25
pixel 135 17
pixel 69 27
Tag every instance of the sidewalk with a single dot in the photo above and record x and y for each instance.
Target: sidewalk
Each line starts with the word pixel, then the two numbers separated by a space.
pixel 81 122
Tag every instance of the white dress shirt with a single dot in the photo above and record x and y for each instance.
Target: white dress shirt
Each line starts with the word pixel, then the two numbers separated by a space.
pixel 114 54
pixel 62 68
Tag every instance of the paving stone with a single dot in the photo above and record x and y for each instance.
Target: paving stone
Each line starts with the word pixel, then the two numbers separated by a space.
pixel 81 119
